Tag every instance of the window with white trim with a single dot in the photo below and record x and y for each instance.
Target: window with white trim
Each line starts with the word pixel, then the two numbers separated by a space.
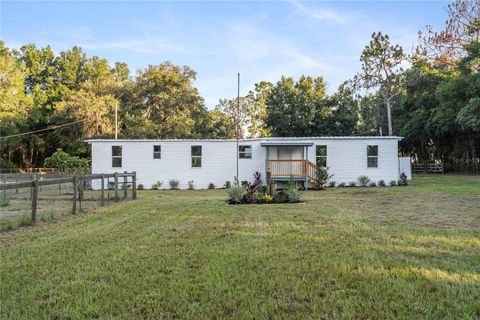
pixel 116 156
pixel 157 152
pixel 196 156
pixel 372 156
pixel 321 154
pixel 245 152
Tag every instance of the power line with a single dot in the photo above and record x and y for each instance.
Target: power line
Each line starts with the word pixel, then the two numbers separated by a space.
pixel 45 129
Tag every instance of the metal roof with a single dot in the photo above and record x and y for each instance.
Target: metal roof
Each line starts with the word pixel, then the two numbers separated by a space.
pixel 269 139
pixel 286 144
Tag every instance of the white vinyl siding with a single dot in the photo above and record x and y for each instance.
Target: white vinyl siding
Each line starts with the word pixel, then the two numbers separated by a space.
pixel 346 159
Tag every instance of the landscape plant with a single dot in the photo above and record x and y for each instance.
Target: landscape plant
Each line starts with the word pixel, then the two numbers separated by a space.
pixel 190 184
pixel 292 193
pixel 363 181
pixel 403 179
pixel 227 184
pixel 211 186
pixel 236 194
pixel 381 183
pixel 352 184
pixel 332 184
pixel 372 184
pixel 157 185
pixel 393 183
pixel 322 177
pixel 174 184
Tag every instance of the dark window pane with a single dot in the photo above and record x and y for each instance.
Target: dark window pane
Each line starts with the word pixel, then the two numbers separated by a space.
pixel 321 151
pixel 116 162
pixel 372 162
pixel 157 148
pixel 196 150
pixel 116 151
pixel 196 161
pixel 321 162
pixel 372 151
pixel 245 152
pixel 157 155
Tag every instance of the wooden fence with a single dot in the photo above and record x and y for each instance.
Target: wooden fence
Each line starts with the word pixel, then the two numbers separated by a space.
pixel 430 167
pixel 79 183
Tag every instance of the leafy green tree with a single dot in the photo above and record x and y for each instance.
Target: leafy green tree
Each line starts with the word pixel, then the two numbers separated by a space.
pixel 15 105
pixel 257 109
pixel 164 96
pixel 67 164
pixel 297 108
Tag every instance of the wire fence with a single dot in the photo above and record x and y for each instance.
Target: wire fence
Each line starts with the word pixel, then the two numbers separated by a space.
pixel 28 198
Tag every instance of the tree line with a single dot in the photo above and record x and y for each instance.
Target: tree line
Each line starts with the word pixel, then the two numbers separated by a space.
pixel 431 97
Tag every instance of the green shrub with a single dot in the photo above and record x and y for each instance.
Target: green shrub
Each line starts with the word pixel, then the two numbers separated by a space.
pixel 332 184
pixel 292 194
pixel 211 186
pixel 68 164
pixel 227 184
pixel 190 184
pixel 245 183
pixel 363 181
pixel 322 177
pixel 140 187
pixel 157 185
pixel 236 194
pixel 382 183
pixel 403 179
pixel 372 184
pixel 173 184
pixel 393 183
pixel 342 185
pixel 352 184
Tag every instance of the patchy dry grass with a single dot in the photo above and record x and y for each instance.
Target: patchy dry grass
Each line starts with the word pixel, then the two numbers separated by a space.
pixel 404 252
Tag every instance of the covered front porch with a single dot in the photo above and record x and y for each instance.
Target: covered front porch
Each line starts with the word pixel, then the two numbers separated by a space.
pixel 286 160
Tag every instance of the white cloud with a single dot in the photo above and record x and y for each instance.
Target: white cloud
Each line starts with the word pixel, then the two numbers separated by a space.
pixel 319 15
pixel 142 45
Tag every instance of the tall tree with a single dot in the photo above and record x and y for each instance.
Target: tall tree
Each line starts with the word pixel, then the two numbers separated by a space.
pixel 382 70
pixel 164 96
pixel 296 108
pixel 257 109
pixel 461 28
pixel 14 103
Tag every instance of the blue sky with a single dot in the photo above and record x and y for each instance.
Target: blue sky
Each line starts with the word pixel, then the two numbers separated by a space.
pixel 261 40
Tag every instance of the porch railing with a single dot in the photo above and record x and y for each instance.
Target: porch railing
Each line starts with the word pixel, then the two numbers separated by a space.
pixel 292 168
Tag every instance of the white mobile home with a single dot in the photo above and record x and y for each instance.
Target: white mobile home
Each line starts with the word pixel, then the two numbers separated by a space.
pixel 215 160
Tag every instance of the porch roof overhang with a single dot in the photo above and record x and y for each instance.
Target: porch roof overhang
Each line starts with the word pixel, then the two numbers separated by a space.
pixel 287 144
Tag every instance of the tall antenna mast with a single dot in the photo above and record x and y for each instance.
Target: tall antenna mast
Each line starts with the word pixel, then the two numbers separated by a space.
pixel 237 119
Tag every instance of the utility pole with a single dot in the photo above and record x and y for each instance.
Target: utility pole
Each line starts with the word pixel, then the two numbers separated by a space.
pixel 237 120
pixel 116 121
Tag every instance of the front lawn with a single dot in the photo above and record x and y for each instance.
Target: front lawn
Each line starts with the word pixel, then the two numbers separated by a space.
pixel 403 252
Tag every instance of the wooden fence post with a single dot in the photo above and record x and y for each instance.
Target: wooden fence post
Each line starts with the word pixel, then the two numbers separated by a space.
pixel 34 199
pixel 33 179
pixel 125 185
pixel 74 209
pixel 80 193
pixel 115 182
pixel 134 186
pixel 102 201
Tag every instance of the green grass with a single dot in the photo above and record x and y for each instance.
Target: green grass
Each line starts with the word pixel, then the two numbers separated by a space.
pixel 377 253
